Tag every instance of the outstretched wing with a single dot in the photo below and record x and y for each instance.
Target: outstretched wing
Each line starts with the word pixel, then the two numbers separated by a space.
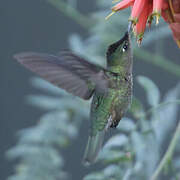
pixel 66 71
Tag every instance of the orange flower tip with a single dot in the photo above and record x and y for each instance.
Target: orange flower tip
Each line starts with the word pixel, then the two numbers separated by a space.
pixel 157 20
pixel 133 20
pixel 140 38
pixel 108 16
pixel 149 21
pixel 140 35
pixel 133 30
pixel 114 8
pixel 139 41
pixel 157 15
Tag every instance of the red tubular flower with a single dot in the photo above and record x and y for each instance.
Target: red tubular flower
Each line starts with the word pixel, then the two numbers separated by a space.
pixel 138 7
pixel 143 12
pixel 175 27
pixel 123 4
pixel 157 7
pixel 172 16
pixel 176 6
pixel 177 17
pixel 141 25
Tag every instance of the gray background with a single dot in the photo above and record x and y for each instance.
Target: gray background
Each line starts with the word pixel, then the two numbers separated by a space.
pixel 36 26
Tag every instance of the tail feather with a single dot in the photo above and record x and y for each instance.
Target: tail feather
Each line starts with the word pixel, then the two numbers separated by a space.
pixel 93 147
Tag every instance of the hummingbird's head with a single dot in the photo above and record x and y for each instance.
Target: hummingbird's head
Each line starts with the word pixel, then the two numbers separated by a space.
pixel 119 53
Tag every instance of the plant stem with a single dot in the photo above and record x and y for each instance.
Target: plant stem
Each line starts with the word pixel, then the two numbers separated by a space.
pixel 85 22
pixel 158 60
pixel 168 155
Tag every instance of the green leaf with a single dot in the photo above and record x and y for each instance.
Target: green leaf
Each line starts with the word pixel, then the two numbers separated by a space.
pixel 62 103
pixel 46 86
pixel 116 141
pixel 36 154
pixel 138 144
pixel 152 91
pixel 76 44
pixel 111 170
pixel 94 176
pixel 115 156
pixel 164 121
pixel 137 109
pixel 126 125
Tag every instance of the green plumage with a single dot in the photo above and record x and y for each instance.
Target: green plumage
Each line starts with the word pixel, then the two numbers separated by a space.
pixel 111 88
pixel 109 107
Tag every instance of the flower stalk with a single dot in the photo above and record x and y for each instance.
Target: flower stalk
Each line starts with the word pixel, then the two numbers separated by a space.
pixel 168 155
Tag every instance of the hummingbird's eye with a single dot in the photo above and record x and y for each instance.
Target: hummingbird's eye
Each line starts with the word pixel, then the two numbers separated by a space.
pixel 125 46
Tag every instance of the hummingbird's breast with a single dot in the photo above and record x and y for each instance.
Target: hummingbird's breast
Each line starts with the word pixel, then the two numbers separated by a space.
pixel 108 108
pixel 123 98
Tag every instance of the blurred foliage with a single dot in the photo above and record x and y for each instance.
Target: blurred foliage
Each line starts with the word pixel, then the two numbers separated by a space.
pixel 142 140
pixel 38 147
pixel 135 151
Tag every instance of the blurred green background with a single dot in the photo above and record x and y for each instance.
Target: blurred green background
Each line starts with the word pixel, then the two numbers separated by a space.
pixel 38 26
pixel 26 25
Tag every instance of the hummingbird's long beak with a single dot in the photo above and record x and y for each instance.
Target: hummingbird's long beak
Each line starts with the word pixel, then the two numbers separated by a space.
pixel 129 27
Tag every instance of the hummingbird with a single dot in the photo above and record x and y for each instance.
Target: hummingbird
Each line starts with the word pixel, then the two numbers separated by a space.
pixel 110 87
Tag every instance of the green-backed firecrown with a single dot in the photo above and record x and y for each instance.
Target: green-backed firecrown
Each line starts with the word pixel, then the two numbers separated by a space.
pixel 111 88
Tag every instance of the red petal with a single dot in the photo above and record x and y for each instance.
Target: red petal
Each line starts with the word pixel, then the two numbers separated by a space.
pixel 141 25
pixel 177 17
pixel 165 5
pixel 157 6
pixel 138 7
pixel 150 18
pixel 175 27
pixel 122 5
pixel 176 6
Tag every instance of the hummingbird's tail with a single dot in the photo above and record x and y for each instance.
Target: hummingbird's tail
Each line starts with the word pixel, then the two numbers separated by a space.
pixel 93 147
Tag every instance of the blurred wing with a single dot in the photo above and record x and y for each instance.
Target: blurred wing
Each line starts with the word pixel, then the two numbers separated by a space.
pixel 66 71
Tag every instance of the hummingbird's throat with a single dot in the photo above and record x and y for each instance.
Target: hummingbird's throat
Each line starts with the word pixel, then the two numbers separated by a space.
pixel 117 69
